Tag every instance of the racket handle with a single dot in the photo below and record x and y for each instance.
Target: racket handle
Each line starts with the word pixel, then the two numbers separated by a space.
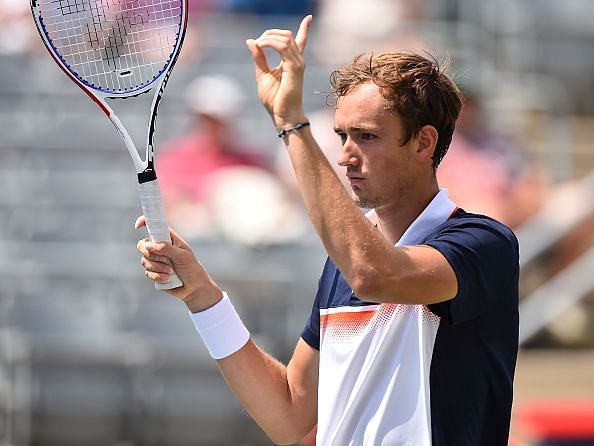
pixel 156 223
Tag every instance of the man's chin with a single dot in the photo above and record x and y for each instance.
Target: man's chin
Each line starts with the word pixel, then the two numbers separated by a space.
pixel 362 204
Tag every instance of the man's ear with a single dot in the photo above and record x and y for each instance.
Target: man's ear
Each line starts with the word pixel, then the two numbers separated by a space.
pixel 427 138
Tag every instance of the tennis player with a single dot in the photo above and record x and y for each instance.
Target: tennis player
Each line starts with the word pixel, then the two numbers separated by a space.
pixel 413 335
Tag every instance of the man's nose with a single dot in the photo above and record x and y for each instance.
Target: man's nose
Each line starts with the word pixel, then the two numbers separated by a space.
pixel 347 156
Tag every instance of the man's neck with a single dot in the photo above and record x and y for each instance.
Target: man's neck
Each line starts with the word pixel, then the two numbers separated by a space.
pixel 394 220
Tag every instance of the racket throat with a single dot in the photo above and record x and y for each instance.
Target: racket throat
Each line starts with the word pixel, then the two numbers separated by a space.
pixel 148 174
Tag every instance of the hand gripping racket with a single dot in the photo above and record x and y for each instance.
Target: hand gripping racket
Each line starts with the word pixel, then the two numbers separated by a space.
pixel 118 49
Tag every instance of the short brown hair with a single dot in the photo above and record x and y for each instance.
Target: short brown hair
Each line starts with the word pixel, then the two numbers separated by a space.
pixel 414 86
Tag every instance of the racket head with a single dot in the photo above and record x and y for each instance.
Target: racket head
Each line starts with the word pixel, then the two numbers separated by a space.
pixel 116 48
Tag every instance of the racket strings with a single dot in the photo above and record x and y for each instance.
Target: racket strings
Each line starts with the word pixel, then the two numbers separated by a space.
pixel 113 45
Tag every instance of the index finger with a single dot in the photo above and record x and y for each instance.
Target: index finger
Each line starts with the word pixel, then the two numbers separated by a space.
pixel 141 248
pixel 260 62
pixel 140 222
pixel 301 38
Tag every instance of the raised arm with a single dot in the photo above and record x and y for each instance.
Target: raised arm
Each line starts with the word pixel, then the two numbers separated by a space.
pixel 281 399
pixel 374 268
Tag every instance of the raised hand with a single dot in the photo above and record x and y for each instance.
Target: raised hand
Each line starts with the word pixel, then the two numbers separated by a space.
pixel 199 291
pixel 281 88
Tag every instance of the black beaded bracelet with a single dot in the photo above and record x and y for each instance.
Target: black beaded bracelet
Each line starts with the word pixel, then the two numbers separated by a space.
pixel 283 132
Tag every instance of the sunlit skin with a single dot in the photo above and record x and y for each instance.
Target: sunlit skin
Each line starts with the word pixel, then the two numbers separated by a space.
pixel 385 174
pixel 397 180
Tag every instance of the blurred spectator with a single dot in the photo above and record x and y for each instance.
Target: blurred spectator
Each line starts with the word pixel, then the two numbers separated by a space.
pixel 490 173
pixel 212 183
pixel 187 165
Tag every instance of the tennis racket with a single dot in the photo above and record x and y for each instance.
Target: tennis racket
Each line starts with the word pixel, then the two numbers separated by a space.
pixel 120 49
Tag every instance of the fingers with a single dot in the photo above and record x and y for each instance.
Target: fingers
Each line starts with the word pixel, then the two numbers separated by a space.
pixel 140 222
pixel 283 38
pixel 157 267
pixel 176 239
pixel 280 40
pixel 162 259
pixel 156 270
pixel 148 248
pixel 283 44
pixel 301 38
pixel 258 56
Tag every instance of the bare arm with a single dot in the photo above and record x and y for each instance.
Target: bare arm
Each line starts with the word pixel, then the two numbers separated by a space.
pixel 375 269
pixel 281 399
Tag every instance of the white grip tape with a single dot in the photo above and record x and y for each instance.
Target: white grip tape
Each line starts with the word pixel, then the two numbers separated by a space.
pixel 221 328
pixel 156 223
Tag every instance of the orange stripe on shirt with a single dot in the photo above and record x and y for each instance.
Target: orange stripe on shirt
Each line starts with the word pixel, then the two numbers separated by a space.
pixel 348 319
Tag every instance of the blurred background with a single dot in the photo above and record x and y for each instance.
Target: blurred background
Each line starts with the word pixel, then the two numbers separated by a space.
pixel 92 355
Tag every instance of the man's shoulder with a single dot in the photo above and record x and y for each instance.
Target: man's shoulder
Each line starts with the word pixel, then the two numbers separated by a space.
pixel 466 232
pixel 463 222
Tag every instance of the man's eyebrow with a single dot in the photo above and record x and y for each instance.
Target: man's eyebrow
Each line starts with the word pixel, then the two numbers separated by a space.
pixel 354 129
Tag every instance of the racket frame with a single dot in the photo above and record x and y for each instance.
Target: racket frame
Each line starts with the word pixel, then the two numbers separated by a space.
pixel 150 195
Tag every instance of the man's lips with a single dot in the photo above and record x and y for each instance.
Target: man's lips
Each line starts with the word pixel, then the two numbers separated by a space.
pixel 354 178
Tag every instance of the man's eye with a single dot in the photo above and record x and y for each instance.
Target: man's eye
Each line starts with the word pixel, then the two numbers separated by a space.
pixel 342 137
pixel 367 136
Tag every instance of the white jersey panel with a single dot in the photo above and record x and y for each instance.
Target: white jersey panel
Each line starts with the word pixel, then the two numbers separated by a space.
pixel 374 378
pixel 375 362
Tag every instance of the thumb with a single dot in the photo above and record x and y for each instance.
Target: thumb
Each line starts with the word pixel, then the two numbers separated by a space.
pixel 301 37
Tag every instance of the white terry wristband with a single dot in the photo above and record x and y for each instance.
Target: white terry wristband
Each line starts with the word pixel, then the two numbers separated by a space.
pixel 221 328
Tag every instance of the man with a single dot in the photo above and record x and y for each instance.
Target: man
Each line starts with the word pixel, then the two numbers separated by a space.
pixel 413 335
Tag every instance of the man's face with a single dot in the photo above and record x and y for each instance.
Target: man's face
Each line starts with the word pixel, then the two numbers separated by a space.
pixel 379 169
